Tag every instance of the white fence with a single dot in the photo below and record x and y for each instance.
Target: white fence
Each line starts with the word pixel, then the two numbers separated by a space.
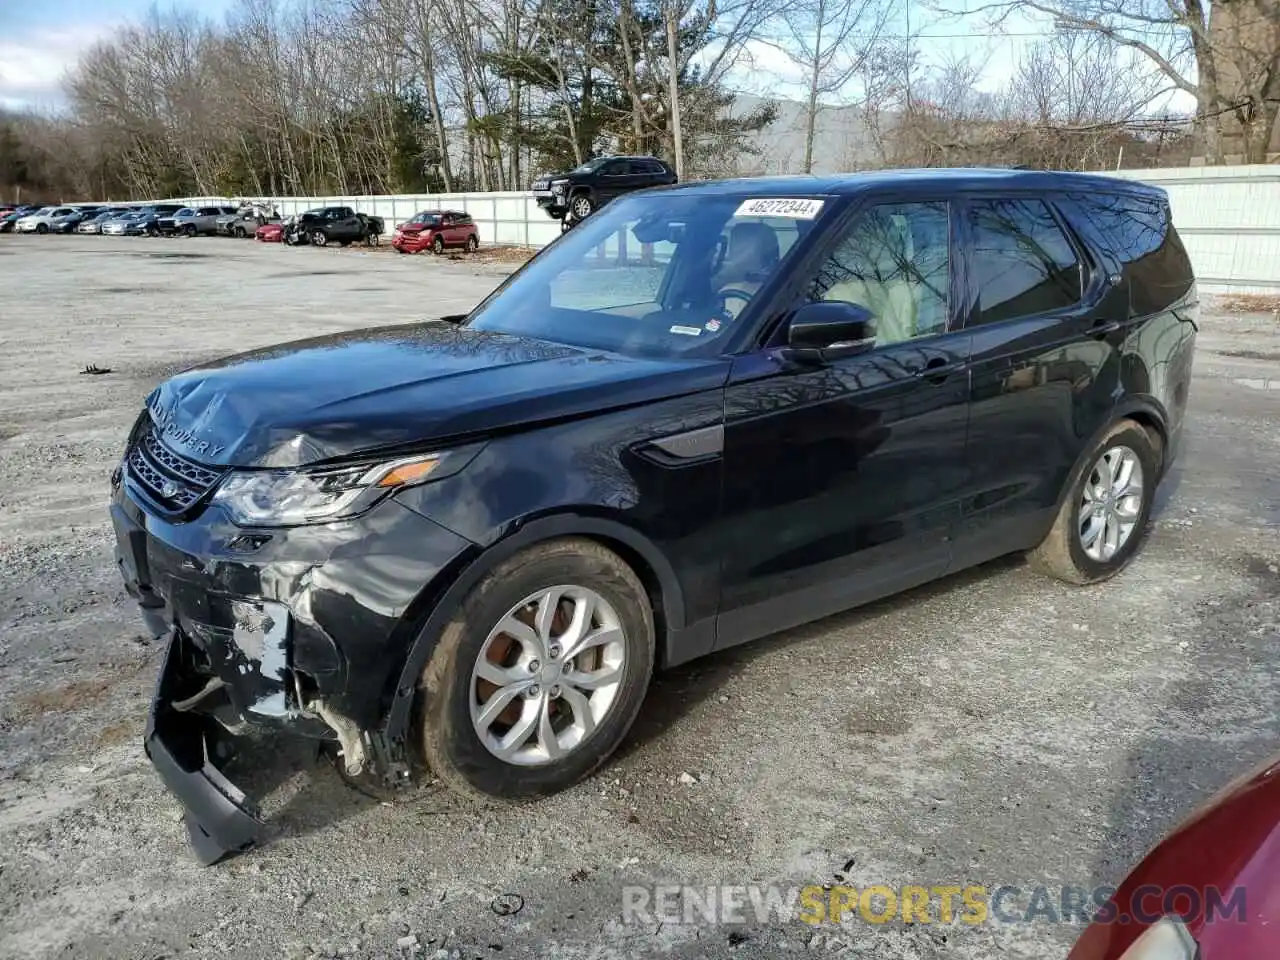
pixel 1229 218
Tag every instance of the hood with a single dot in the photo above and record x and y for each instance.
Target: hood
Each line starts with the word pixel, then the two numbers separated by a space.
pixel 416 227
pixel 395 387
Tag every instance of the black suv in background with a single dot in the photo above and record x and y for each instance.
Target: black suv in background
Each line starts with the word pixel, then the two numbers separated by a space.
pixel 705 414
pixel 575 195
pixel 152 214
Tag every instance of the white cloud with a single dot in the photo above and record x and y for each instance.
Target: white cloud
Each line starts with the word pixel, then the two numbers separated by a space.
pixel 33 62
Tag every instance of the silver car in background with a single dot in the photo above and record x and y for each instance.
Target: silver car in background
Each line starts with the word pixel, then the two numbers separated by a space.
pixel 193 221
pixel 43 220
pixel 95 223
pixel 126 225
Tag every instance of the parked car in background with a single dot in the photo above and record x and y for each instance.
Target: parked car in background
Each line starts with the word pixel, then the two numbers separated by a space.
pixel 436 230
pixel 136 223
pixel 94 224
pixel 463 546
pixel 577 194
pixel 153 213
pixel 270 232
pixel 43 220
pixel 82 213
pixel 326 225
pixel 194 221
pixel 1209 891
pixel 8 220
pixel 245 221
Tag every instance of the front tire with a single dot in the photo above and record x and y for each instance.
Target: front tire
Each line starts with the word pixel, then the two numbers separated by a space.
pixel 42 228
pixel 1103 519
pixel 539 675
pixel 581 206
pixel 319 238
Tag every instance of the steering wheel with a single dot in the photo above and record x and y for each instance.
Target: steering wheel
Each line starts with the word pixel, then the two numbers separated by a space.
pixel 730 295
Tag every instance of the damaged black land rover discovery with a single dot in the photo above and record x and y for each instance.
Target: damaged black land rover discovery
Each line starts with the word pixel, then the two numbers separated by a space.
pixel 709 413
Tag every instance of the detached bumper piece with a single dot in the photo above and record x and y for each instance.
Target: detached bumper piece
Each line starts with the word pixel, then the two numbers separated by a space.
pixel 221 821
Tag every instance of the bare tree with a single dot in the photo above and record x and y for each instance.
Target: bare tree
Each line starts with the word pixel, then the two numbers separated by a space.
pixel 831 40
pixel 1225 53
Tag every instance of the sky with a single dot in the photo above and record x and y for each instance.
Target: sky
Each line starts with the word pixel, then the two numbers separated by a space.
pixel 41 39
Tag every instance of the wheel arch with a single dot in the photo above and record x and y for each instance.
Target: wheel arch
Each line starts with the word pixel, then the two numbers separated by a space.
pixel 437 603
pixel 1146 413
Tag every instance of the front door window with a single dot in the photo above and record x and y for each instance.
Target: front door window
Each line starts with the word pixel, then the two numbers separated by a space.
pixel 894 261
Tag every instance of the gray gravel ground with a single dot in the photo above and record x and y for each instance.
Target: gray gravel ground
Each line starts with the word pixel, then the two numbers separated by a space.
pixel 991 728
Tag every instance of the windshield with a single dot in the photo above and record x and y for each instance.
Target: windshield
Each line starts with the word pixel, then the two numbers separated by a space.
pixel 426 217
pixel 652 275
pixel 590 166
pixel 185 212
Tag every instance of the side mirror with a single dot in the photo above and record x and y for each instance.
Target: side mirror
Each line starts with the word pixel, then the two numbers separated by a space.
pixel 827 329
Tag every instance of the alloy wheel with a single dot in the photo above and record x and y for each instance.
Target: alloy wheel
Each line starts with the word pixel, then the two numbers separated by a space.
pixel 581 208
pixel 1111 503
pixel 547 675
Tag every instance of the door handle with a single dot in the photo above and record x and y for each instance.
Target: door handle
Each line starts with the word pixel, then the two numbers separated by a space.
pixel 938 369
pixel 1104 328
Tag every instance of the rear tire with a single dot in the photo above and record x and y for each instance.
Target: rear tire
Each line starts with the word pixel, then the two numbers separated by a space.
pixel 599 690
pixel 1100 527
pixel 473 243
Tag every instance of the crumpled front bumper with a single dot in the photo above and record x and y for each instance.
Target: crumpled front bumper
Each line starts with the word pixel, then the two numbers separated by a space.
pixel 182 746
pixel 293 630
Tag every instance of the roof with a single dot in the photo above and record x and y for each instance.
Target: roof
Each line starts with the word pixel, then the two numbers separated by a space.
pixel 957 178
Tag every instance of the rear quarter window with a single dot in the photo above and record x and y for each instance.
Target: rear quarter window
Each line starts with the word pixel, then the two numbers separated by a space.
pixel 1141 235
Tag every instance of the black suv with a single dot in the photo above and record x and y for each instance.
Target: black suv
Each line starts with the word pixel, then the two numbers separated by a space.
pixel 706 414
pixel 575 195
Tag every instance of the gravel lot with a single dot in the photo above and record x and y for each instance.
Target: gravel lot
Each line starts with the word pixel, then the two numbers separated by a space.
pixel 991 728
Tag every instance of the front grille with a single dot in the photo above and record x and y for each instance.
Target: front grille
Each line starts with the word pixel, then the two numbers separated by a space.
pixel 173 482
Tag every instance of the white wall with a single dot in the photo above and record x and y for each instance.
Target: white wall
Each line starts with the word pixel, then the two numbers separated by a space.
pixel 1229 219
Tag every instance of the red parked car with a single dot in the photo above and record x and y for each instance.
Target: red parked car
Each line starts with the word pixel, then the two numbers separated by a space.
pixel 437 230
pixel 270 233
pixel 1208 891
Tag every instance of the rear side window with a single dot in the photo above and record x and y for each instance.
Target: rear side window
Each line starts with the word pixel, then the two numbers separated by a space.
pixel 1022 262
pixel 1141 235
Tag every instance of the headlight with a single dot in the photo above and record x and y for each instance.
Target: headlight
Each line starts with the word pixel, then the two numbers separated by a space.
pixel 1166 940
pixel 282 498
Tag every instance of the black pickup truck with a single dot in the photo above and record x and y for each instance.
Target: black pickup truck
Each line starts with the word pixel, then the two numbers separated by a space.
pixel 326 225
pixel 575 195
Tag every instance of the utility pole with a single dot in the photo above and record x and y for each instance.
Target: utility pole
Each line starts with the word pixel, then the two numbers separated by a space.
pixel 673 82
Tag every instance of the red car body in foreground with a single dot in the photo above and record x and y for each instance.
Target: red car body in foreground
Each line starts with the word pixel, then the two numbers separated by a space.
pixel 436 230
pixel 270 233
pixel 1212 885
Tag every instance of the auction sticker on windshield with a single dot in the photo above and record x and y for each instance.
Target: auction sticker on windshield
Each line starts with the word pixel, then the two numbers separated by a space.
pixel 794 208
